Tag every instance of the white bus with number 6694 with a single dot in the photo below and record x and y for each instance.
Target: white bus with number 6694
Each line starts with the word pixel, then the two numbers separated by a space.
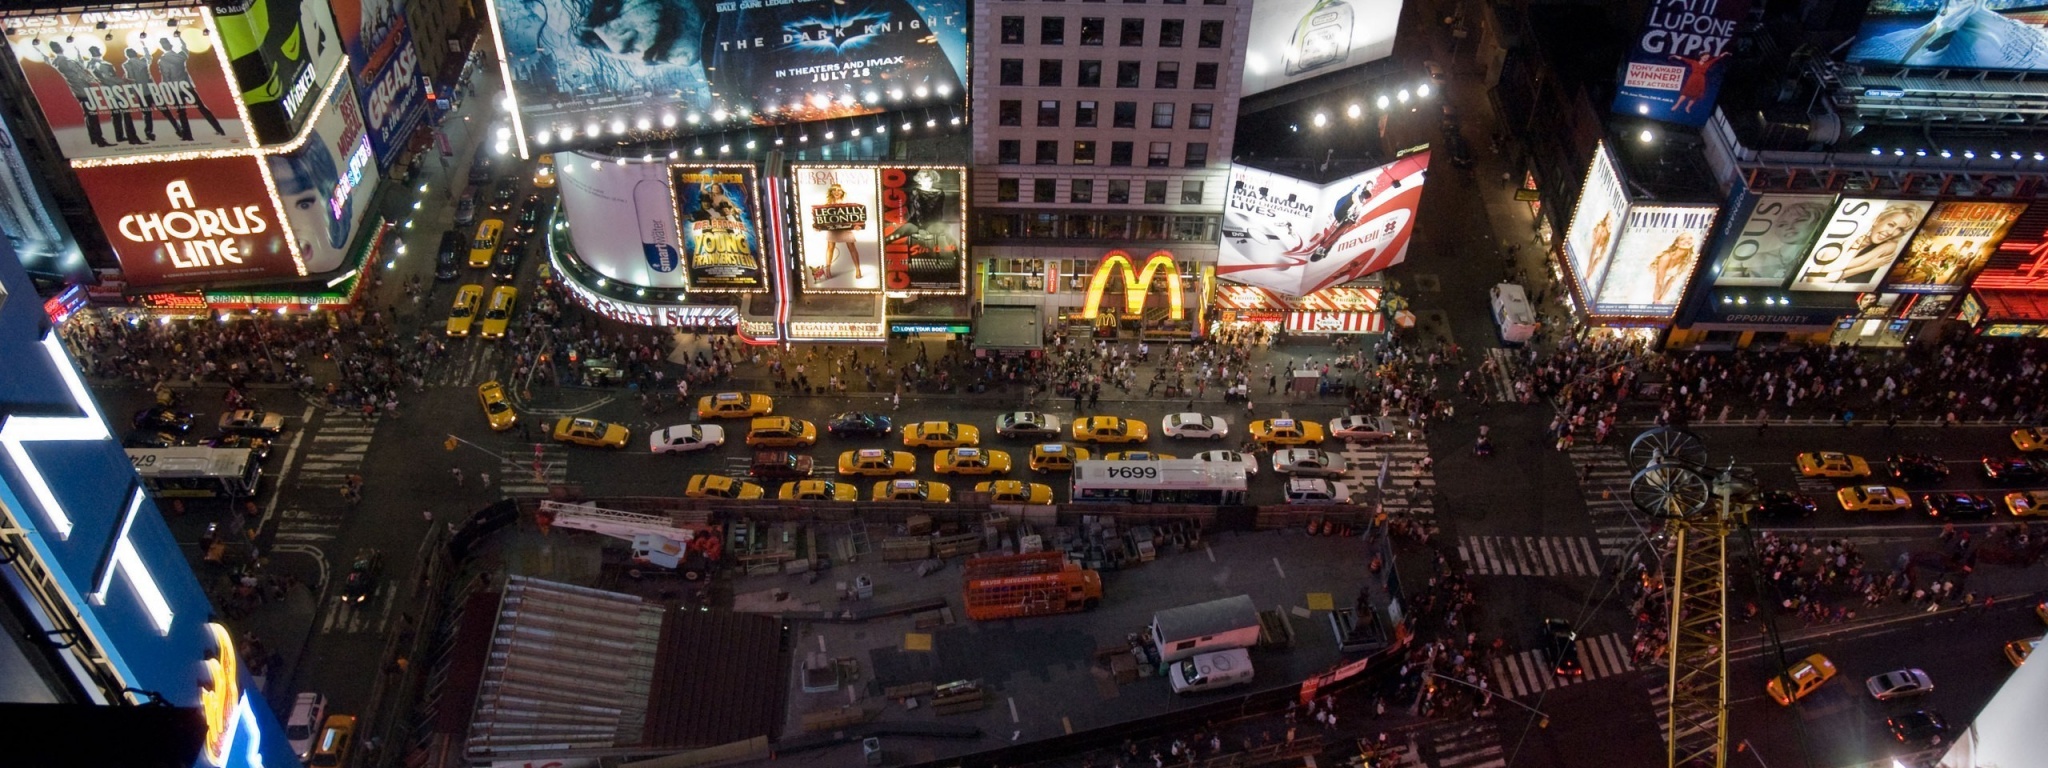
pixel 1173 481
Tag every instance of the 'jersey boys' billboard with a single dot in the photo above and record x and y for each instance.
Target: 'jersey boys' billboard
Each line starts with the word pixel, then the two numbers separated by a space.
pixel 1676 66
pixel 115 83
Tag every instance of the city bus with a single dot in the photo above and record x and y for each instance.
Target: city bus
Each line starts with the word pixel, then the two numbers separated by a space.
pixel 198 472
pixel 1173 481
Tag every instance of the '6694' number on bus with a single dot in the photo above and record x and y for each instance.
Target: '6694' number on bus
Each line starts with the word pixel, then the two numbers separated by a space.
pixel 1134 473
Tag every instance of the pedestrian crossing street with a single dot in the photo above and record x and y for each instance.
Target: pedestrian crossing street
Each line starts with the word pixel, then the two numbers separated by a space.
pixel 1529 673
pixel 1529 555
pixel 1461 744
pixel 1604 475
pixel 530 470
pixel 372 617
pixel 334 450
pixel 1500 387
pixel 1410 488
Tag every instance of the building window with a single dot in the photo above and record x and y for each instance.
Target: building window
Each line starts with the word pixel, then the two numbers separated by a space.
pixel 1052 30
pixel 1048 114
pixel 1215 2
pixel 1084 153
pixel 1009 151
pixel 1006 190
pixel 1191 193
pixel 1167 75
pixel 1081 191
pixel 1084 114
pixel 1170 32
pixel 1119 191
pixel 1209 35
pixel 1198 155
pixel 1050 72
pixel 1091 74
pixel 1012 72
pixel 1013 30
pixel 1133 33
pixel 1091 31
pixel 1200 115
pixel 1127 74
pixel 1155 194
pixel 1009 112
pixel 1205 76
pixel 1159 154
pixel 1046 152
pixel 1044 190
pixel 1120 153
pixel 1126 115
pixel 1162 114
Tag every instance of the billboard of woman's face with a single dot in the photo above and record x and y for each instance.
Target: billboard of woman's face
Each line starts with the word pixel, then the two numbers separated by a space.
pixel 306 182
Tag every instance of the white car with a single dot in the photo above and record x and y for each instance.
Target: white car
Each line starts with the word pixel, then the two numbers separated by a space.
pixel 1315 490
pixel 1194 426
pixel 684 438
pixel 1308 462
pixel 1028 424
pixel 1899 684
pixel 252 423
pixel 1373 429
pixel 308 712
pixel 1250 462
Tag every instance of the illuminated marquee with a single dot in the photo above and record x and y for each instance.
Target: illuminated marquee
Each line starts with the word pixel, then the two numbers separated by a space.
pixel 1136 283
pixel 219 698
pixel 194 236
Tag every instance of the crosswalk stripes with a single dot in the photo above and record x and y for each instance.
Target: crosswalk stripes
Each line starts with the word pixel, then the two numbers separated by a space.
pixel 373 616
pixel 1816 487
pixel 1501 381
pixel 1530 672
pixel 1660 705
pixel 1529 555
pixel 466 364
pixel 1410 488
pixel 517 476
pixel 334 450
pixel 1462 744
pixel 1604 476
pixel 304 526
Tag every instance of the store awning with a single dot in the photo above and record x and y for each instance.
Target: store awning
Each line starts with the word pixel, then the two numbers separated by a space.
pixel 1008 328
pixel 1336 322
pixel 2015 305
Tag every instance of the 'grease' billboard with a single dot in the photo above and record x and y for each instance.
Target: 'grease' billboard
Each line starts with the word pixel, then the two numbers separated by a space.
pixel 1952 246
pixel 922 247
pixel 1774 239
pixel 190 221
pixel 1589 241
pixel 1857 245
pixel 1960 34
pixel 1675 68
pixel 1296 237
pixel 841 242
pixel 1294 40
pixel 621 218
pixel 720 226
pixel 134 87
pixel 387 68
pixel 1658 248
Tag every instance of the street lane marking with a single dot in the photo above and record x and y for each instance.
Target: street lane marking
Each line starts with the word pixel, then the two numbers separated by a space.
pixel 1276 567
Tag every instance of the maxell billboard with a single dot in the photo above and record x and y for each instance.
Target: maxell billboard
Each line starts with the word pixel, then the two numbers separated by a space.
pixel 1676 65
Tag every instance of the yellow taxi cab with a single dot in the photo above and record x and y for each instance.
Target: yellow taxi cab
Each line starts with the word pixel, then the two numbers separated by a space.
pixel 337 738
pixel 1873 498
pixel 971 461
pixel 2027 503
pixel 876 462
pixel 1271 432
pixel 1801 679
pixel 721 487
pixel 2030 439
pixel 591 432
pixel 1137 456
pixel 463 314
pixel 912 490
pixel 1056 457
pixel 781 432
pixel 1832 464
pixel 2017 651
pixel 1015 492
pixel 498 313
pixel 544 172
pixel 486 243
pixel 817 490
pixel 941 434
pixel 734 405
pixel 497 410
pixel 1109 429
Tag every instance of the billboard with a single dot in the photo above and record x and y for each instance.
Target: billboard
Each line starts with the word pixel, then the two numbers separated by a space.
pixel 1315 37
pixel 621 218
pixel 1861 239
pixel 1653 259
pixel 1959 34
pixel 325 185
pixel 579 67
pixel 28 220
pixel 841 244
pixel 1952 245
pixel 1774 239
pixel 1595 223
pixel 190 221
pixel 132 88
pixel 387 68
pixel 922 247
pixel 282 52
pixel 1678 60
pixel 720 222
pixel 1297 237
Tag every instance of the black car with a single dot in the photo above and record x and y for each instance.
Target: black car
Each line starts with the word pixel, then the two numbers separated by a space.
pixel 448 260
pixel 2015 469
pixel 1953 504
pixel 529 219
pixel 1919 726
pixel 859 424
pixel 148 438
pixel 505 266
pixel 1915 468
pixel 363 576
pixel 501 200
pixel 1561 646
pixel 258 447
pixel 161 419
pixel 1784 504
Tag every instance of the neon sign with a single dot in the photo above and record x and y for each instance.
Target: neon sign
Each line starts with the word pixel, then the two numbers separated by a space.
pixel 1136 283
pixel 358 159
pixel 221 697
pixel 205 234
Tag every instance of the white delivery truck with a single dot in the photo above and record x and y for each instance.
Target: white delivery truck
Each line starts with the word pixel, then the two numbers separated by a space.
pixel 1217 625
pixel 1210 671
pixel 1513 313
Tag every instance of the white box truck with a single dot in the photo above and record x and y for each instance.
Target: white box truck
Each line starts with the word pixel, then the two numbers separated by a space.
pixel 1513 313
pixel 1217 625
pixel 1210 671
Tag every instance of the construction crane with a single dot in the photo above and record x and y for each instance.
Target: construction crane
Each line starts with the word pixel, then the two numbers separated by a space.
pixel 1699 507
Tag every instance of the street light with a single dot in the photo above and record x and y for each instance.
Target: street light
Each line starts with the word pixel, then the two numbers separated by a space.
pixel 1542 720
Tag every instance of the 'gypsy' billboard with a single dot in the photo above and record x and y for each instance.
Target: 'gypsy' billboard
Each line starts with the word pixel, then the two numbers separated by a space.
pixel 1952 246
pixel 1595 223
pixel 720 226
pixel 132 87
pixel 387 68
pixel 1860 241
pixel 1294 40
pixel 1297 237
pixel 1775 237
pixel 282 51
pixel 1676 66
pixel 841 241
pixel 578 66
pixel 190 221
pixel 922 248
pixel 621 218
pixel 326 184
pixel 1959 34
pixel 1655 256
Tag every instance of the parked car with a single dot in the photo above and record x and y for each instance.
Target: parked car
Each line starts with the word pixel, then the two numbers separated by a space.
pixel 163 419
pixel 253 423
pixel 448 260
pixel 465 208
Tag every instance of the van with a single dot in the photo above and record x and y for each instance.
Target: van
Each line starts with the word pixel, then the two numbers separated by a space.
pixel 1513 314
pixel 486 243
pixel 336 737
pixel 307 712
pixel 1211 671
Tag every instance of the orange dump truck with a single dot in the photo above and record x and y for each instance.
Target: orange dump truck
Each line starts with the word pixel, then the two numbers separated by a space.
pixel 1036 584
